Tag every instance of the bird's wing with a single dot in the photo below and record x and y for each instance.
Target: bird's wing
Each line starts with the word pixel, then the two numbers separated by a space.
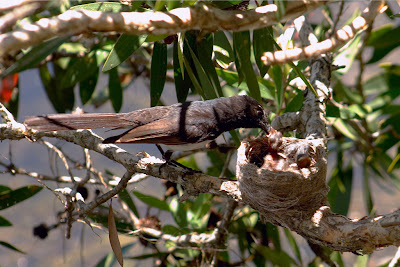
pixel 157 132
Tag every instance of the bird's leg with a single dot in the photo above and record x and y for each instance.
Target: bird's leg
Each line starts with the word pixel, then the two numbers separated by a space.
pixel 166 155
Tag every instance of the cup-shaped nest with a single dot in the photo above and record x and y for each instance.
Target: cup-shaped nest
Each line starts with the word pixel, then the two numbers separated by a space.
pixel 282 177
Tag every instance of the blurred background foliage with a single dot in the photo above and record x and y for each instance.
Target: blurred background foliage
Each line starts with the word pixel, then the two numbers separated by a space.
pixel 363 115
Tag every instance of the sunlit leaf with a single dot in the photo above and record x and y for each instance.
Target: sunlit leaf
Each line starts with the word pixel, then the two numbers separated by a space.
pixel 123 48
pixel 104 7
pixel 222 49
pixel 178 212
pixel 125 197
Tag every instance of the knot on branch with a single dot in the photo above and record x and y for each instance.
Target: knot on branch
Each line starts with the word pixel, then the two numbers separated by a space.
pixel 282 177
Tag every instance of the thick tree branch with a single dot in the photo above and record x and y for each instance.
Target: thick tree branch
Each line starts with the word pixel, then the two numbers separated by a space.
pixel 199 17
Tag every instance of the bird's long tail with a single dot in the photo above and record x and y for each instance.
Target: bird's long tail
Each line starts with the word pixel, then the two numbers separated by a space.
pixel 62 122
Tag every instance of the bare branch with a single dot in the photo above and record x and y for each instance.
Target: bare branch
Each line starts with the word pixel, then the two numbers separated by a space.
pixel 341 37
pixel 199 17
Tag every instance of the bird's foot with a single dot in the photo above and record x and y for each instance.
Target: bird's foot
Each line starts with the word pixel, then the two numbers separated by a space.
pixel 167 157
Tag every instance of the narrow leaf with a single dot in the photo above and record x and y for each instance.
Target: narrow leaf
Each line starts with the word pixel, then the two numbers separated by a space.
pixel 262 42
pixel 152 201
pixel 4 222
pixel 34 56
pixel 223 50
pixel 293 244
pixel 125 197
pixel 113 236
pixel 8 245
pixel 208 89
pixel 205 50
pixel 10 198
pixel 104 7
pixel 123 48
pixel 241 42
pixel 179 213
pixel 277 76
pixel 87 86
pixel 182 80
pixel 158 72
pixel 115 90
pixel 79 69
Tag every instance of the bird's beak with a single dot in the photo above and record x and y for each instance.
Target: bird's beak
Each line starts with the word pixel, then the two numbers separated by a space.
pixel 265 123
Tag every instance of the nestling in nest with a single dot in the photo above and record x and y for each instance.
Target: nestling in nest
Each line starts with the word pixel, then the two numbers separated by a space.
pixel 282 177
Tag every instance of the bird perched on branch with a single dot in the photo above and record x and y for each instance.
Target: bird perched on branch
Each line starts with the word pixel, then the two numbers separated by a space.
pixel 179 127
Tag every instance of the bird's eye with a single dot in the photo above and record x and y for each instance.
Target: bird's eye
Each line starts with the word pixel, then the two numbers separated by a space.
pixel 260 113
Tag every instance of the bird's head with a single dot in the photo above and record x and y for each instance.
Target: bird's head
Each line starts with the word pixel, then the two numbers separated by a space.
pixel 257 115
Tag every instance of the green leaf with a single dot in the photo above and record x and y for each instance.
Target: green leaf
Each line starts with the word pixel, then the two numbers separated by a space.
pixel 173 230
pixel 362 261
pixel 156 255
pixel 152 201
pixel 104 7
pixel 241 41
pixel 292 242
pixel 181 77
pixel 87 86
pixel 10 198
pixel 4 189
pixel 62 98
pixel 206 85
pixel 122 49
pixel 158 72
pixel 178 212
pixel 115 90
pixel 340 187
pixel 369 201
pixel 345 129
pixel 36 55
pixel 281 4
pixel 109 260
pixel 4 222
pixel 262 42
pixel 155 38
pixel 79 69
pixel 383 40
pixel 8 245
pixel 296 103
pixel 205 50
pixel 339 112
pixel 125 197
pixel 277 76
pixel 222 50
pixel 276 257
